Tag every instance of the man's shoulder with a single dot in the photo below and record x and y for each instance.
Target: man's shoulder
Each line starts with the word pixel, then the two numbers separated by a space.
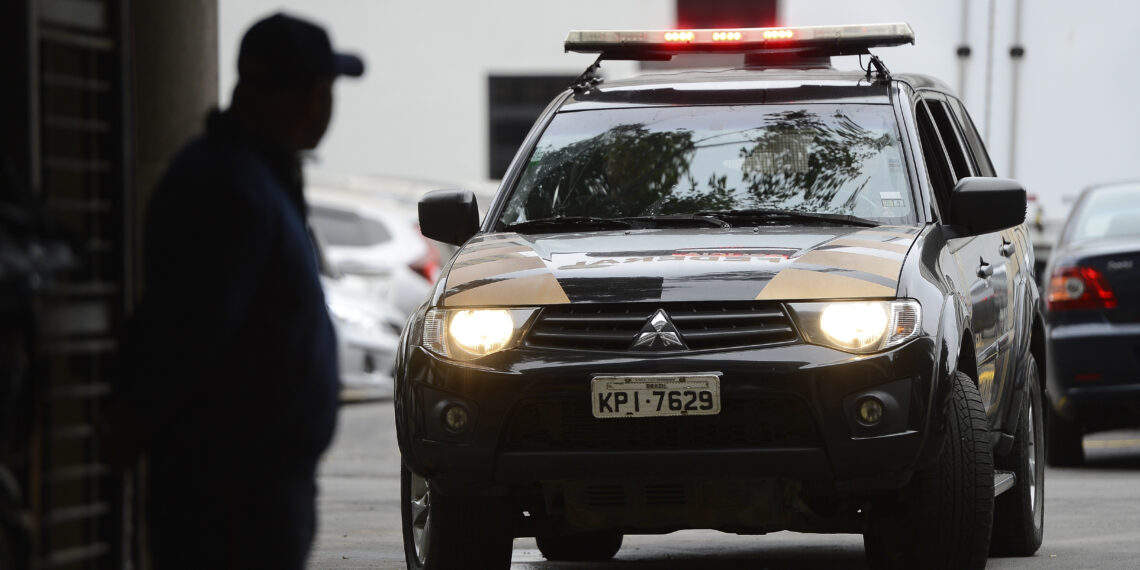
pixel 221 183
pixel 206 157
pixel 211 166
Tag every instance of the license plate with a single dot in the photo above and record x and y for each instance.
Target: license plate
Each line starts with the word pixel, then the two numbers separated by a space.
pixel 654 396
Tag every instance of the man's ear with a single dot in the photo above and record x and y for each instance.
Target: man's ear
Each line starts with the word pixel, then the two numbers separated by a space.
pixel 311 95
pixel 314 98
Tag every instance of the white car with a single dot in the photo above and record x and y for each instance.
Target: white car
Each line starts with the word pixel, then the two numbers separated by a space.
pixel 378 252
pixel 367 332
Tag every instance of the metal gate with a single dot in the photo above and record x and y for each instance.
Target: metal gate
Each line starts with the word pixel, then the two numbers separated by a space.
pixel 79 506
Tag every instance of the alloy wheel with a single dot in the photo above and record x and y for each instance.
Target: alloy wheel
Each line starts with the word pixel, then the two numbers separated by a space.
pixel 420 498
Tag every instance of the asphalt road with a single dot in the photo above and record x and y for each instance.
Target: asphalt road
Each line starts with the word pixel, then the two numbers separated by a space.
pixel 1092 516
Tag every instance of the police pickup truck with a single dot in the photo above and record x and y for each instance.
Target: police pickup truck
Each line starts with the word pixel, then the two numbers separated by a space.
pixel 775 297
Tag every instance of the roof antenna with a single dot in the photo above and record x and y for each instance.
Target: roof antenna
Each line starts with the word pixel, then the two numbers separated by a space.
pixel 881 72
pixel 589 78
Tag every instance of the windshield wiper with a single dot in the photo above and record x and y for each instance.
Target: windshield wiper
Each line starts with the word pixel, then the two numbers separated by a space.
pixel 569 222
pixel 777 214
pixel 680 219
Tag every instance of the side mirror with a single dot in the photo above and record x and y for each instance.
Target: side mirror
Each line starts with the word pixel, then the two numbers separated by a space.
pixel 984 205
pixel 450 216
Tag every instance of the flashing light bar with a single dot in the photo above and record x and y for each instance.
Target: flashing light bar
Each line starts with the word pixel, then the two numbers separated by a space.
pixel 663 44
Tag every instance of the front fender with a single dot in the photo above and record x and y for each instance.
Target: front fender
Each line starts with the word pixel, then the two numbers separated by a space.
pixel 1028 318
pixel 403 395
pixel 951 325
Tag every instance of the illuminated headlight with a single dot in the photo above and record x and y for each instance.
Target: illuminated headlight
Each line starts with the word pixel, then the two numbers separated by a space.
pixel 466 334
pixel 859 326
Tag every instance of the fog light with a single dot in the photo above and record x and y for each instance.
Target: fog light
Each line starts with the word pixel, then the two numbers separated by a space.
pixel 870 411
pixel 455 417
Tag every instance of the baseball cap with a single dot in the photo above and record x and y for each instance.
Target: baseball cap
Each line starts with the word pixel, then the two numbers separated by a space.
pixel 284 51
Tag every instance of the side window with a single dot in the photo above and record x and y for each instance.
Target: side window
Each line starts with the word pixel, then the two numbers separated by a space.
pixel 951 139
pixel 973 140
pixel 934 155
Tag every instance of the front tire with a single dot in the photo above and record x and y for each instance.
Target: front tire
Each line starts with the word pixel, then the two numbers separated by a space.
pixel 443 532
pixel 947 509
pixel 580 547
pixel 1019 513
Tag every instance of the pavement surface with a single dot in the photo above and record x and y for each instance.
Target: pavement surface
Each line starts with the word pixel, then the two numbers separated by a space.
pixel 1092 516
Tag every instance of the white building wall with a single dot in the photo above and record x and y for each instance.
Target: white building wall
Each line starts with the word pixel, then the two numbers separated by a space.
pixel 421 111
pixel 1079 121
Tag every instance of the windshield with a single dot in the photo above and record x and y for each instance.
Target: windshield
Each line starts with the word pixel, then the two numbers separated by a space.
pixel 839 159
pixel 1110 212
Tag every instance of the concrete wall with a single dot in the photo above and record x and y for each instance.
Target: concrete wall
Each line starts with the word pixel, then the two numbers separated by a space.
pixel 175 68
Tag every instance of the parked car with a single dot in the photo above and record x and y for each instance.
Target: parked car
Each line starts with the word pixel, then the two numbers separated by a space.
pixel 368 332
pixel 379 253
pixel 1093 320
pixel 779 297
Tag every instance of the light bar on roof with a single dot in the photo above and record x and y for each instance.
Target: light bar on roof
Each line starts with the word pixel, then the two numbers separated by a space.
pixel 662 44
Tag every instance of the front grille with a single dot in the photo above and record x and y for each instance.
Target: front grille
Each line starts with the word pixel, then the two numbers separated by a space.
pixel 609 495
pixel 703 326
pixel 768 421
pixel 663 494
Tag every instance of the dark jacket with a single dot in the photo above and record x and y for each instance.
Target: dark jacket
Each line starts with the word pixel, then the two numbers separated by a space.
pixel 235 356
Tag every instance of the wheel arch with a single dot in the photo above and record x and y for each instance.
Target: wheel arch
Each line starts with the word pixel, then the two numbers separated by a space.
pixel 955 347
pixel 967 357
pixel 1037 347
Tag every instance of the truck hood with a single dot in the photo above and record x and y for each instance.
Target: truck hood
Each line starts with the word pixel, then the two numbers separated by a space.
pixel 733 264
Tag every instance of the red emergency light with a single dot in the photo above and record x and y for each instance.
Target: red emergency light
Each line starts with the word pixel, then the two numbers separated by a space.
pixel 663 44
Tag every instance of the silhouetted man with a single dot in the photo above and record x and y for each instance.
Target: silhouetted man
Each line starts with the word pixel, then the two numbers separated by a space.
pixel 236 383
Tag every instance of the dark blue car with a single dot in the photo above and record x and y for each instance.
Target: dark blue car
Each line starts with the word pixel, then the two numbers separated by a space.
pixel 1093 320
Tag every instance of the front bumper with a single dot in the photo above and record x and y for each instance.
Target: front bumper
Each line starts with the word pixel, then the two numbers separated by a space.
pixel 366 363
pixel 787 411
pixel 1094 373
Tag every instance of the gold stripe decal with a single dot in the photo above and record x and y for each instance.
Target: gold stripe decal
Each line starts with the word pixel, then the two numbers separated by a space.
pixel 793 284
pixel 491 267
pixel 849 241
pixel 508 270
pixel 542 289
pixel 881 266
pixel 861 258
pixel 501 270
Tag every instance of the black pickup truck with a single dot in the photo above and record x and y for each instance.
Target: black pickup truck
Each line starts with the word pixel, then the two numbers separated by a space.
pixel 775 297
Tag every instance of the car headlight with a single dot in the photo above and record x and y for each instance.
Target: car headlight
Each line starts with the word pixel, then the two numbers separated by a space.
pixel 860 327
pixel 353 317
pixel 466 334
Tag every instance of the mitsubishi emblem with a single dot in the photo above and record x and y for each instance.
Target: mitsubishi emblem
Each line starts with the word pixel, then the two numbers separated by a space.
pixel 659 334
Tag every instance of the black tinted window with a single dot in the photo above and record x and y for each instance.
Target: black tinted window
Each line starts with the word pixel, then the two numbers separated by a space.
pixel 347 228
pixel 974 140
pixel 949 131
pixel 842 159
pixel 933 153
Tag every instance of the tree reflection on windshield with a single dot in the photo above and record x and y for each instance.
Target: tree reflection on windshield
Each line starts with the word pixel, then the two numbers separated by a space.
pixel 679 160
pixel 609 175
pixel 800 159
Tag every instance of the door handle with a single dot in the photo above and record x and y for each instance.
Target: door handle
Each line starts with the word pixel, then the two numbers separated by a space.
pixel 1007 249
pixel 985 270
